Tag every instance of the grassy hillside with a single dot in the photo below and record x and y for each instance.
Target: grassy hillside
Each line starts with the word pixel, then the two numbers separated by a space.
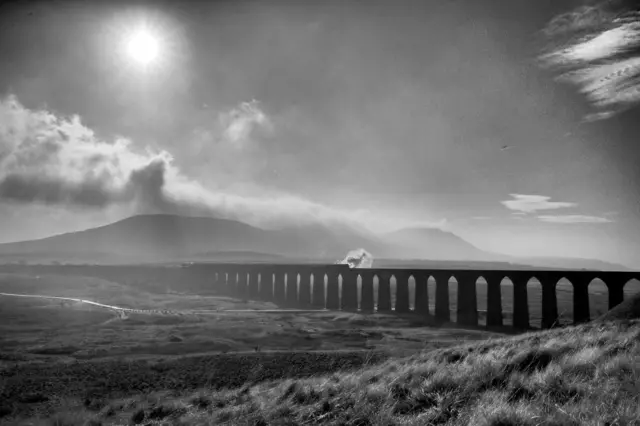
pixel 587 375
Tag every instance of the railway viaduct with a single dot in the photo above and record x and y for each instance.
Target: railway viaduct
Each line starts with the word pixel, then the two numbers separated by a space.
pixel 272 283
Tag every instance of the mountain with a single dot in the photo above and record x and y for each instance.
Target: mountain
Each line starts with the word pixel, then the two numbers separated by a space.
pixel 146 236
pixel 160 237
pixel 433 244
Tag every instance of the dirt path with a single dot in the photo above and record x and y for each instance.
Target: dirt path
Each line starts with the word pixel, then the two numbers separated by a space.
pixel 122 312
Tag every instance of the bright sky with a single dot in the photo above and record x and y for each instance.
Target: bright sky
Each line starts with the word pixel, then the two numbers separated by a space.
pixel 385 113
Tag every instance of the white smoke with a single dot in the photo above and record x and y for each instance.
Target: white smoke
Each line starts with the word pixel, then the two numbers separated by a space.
pixel 359 258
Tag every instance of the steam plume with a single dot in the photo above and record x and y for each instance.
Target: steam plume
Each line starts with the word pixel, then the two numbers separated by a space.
pixel 359 258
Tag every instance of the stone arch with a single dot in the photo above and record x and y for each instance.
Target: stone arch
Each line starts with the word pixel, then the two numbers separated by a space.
pixel 534 301
pixel 359 290
pixel 564 296
pixel 631 288
pixel 482 289
pixel 375 284
pixel 431 292
pixel 453 295
pixel 506 298
pixel 393 286
pixel 598 297
pixel 411 283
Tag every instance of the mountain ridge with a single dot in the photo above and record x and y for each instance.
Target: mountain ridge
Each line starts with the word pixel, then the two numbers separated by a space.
pixel 166 237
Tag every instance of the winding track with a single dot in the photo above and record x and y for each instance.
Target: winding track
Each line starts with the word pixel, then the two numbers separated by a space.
pixel 123 311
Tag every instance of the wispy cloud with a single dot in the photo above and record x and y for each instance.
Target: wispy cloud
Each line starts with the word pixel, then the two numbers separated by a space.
pixel 240 122
pixel 532 203
pixel 596 49
pixel 573 219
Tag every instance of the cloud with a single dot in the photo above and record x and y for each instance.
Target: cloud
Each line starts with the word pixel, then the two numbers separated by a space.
pixel 573 219
pixel 532 203
pixel 596 49
pixel 480 218
pixel 50 160
pixel 234 147
pixel 240 122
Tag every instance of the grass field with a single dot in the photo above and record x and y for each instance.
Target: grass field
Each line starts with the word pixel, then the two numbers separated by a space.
pixel 43 330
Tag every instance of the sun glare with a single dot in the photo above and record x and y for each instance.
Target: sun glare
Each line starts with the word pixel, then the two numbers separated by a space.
pixel 143 47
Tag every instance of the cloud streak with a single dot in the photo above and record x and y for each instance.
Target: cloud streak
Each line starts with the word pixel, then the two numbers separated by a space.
pixel 596 49
pixel 522 205
pixel 532 203
pixel 568 219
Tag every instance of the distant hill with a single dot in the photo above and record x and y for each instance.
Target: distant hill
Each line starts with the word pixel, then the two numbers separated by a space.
pixel 433 244
pixel 573 263
pixel 162 237
pixel 170 237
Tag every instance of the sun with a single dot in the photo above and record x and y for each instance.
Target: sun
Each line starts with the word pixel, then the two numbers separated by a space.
pixel 143 47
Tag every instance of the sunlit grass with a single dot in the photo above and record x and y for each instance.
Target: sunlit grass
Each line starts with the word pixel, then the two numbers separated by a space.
pixel 587 375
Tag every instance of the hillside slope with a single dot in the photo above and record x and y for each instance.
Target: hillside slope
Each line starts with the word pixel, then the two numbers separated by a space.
pixel 435 244
pixel 586 375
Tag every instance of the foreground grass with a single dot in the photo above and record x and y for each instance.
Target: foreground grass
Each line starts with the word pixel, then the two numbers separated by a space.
pixel 587 375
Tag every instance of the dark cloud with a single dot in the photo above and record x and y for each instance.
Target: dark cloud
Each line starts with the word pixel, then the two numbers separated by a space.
pixel 28 188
